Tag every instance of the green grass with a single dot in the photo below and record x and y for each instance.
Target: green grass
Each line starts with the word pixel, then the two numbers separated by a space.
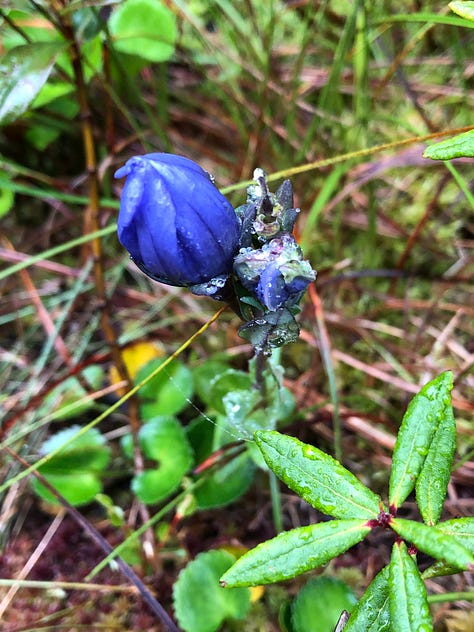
pixel 329 93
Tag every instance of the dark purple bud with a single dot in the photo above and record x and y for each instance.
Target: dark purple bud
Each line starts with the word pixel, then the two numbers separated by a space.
pixel 276 274
pixel 176 225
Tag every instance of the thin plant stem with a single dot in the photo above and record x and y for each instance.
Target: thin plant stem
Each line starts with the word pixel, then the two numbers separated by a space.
pixel 276 502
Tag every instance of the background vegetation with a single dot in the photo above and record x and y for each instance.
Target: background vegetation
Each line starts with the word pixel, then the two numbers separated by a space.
pixel 342 97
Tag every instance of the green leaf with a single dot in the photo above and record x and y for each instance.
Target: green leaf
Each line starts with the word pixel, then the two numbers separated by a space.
pixel 432 483
pixel 77 487
pixel 75 471
pixel 163 440
pixel 227 483
pixel 294 552
pixel 456 147
pixel 462 530
pixel 318 605
pixel 372 613
pixel 146 28
pixel 7 198
pixel 204 374
pixel 229 381
pixel 318 478
pixel 87 452
pixel 168 392
pixel 200 604
pixel 409 611
pixel 415 435
pixel 23 72
pixel 463 9
pixel 434 542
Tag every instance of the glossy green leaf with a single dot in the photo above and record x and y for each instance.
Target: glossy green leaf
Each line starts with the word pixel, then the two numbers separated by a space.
pixel 294 552
pixel 89 451
pixel 75 471
pixel 146 28
pixel 415 435
pixel 23 72
pixel 204 374
pixel 318 605
pixel 372 613
pixel 318 478
pixel 200 603
pixel 457 147
pixel 163 440
pixel 228 483
pixel 464 9
pixel 78 487
pixel 432 483
pixel 434 542
pixel 168 392
pixel 462 530
pixel 229 381
pixel 409 611
pixel 7 198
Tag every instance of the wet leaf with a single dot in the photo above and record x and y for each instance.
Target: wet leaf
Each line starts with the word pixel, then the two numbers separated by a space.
pixel 201 605
pixel 432 483
pixel 146 28
pixel 294 552
pixel 409 611
pixel 462 530
pixel 163 440
pixel 434 542
pixel 372 613
pixel 75 471
pixel 318 478
pixel 464 9
pixel 318 605
pixel 23 72
pixel 416 433
pixel 457 147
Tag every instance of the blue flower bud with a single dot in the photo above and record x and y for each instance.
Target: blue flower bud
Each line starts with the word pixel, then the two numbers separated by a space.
pixel 176 225
pixel 276 274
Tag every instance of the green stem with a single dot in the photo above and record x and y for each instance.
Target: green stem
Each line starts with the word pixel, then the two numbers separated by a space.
pixel 276 503
pixel 452 596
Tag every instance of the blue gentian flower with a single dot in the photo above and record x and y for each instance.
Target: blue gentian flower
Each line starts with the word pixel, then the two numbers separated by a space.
pixel 276 274
pixel 176 225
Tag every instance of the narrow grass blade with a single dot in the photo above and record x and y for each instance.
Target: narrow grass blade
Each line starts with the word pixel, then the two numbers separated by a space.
pixel 372 613
pixel 294 552
pixel 409 611
pixel 416 433
pixel 318 478
pixel 434 542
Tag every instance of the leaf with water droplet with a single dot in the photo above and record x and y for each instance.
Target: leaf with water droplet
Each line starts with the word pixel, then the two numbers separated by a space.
pixel 23 72
pixel 432 483
pixel 409 611
pixel 415 436
pixel 462 530
pixel 432 541
pixel 294 552
pixel 318 478
pixel 372 611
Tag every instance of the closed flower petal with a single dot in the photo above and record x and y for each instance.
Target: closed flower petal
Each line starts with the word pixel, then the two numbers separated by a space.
pixel 176 225
pixel 276 274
